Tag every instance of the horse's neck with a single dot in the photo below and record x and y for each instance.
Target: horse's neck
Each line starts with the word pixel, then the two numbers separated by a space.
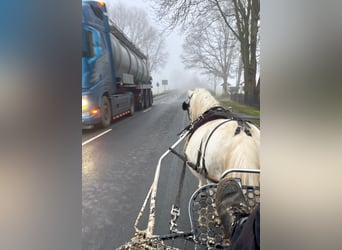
pixel 201 107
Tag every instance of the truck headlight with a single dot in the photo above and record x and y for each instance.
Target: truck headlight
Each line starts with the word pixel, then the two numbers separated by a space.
pixel 85 103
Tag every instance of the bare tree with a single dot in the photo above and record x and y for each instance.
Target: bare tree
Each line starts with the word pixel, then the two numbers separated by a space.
pixel 134 23
pixel 211 48
pixel 212 82
pixel 247 22
pixel 239 72
pixel 155 51
pixel 245 27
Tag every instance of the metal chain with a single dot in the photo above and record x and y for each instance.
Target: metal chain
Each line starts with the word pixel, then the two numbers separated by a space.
pixel 175 212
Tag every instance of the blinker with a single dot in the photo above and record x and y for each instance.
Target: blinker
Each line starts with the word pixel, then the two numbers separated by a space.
pixel 185 106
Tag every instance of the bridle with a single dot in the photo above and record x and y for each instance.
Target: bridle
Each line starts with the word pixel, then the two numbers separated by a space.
pixel 186 105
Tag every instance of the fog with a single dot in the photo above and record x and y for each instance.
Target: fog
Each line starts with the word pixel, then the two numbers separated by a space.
pixel 174 71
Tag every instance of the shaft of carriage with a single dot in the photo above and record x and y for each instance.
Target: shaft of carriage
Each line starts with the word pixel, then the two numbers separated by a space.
pixel 152 194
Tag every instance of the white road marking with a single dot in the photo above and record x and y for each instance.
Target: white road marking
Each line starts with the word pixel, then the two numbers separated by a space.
pixel 105 132
pixel 147 110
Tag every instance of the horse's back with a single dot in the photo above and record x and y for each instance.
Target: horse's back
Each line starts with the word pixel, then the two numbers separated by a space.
pixel 224 147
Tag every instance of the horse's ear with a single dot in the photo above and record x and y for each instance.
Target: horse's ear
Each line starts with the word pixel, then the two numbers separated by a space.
pixel 185 106
pixel 190 92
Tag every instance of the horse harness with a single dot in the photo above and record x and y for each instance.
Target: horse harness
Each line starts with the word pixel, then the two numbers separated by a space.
pixel 210 115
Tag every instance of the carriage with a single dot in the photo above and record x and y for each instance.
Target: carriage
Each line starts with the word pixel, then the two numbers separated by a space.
pixel 208 121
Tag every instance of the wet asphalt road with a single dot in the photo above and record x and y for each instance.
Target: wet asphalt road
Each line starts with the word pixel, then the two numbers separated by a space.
pixel 118 169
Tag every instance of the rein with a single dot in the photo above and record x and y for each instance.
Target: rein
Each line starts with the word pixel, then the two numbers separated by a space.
pixel 211 114
pixel 202 171
pixel 203 166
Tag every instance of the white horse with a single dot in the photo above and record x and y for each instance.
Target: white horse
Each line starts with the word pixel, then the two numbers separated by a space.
pixel 220 144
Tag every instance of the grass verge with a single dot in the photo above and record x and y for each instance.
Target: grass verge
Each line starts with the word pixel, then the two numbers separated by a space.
pixel 240 108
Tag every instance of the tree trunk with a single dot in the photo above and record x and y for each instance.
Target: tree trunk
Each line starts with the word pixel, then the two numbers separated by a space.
pixel 225 88
pixel 225 84
pixel 257 92
pixel 250 86
pixel 247 24
pixel 238 79
pixel 215 84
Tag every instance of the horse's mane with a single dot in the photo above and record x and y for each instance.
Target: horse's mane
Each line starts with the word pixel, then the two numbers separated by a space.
pixel 201 101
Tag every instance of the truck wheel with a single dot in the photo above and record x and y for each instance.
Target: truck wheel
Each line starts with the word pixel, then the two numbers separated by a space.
pixel 106 112
pixel 149 98
pixel 145 99
pixel 132 108
pixel 142 102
